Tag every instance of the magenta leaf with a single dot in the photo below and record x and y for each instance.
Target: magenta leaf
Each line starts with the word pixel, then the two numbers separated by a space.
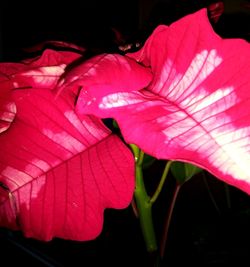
pixel 196 109
pixel 59 171
pixel 51 57
pixel 102 75
pixel 7 105
pixel 43 72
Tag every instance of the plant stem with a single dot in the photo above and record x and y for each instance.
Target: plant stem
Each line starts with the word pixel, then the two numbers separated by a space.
pixel 144 207
pixel 228 196
pixel 161 183
pixel 168 220
pixel 210 193
pixel 134 208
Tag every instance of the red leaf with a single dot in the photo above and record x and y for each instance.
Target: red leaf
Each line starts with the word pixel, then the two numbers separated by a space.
pixel 58 170
pixel 7 106
pixel 51 57
pixel 56 44
pixel 196 109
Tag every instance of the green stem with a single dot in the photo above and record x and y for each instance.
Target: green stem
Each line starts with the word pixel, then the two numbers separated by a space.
pixel 144 207
pixel 168 220
pixel 136 151
pixel 161 183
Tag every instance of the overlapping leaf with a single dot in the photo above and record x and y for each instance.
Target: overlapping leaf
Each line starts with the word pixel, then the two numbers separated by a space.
pixel 103 74
pixel 43 71
pixel 58 170
pixel 196 109
pixel 55 44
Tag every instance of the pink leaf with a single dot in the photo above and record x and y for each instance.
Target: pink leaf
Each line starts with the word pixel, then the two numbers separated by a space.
pixel 59 170
pixel 196 109
pixel 41 72
pixel 51 57
pixel 104 74
pixel 44 71
pixel 7 110
pixel 7 105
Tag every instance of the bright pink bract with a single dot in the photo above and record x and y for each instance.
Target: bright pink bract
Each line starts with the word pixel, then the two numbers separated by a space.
pixel 196 108
pixel 58 170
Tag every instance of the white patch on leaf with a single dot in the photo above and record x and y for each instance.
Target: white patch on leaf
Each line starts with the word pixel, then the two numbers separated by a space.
pixel 38 166
pixel 204 99
pixel 88 129
pixel 202 123
pixel 16 177
pixel 74 120
pixel 203 64
pixel 11 107
pixel 167 79
pixel 65 140
pixel 119 100
pixel 48 70
pixel 7 116
pixel 45 75
pixel 208 129
pixel 37 185
pixel 233 143
pixel 31 191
